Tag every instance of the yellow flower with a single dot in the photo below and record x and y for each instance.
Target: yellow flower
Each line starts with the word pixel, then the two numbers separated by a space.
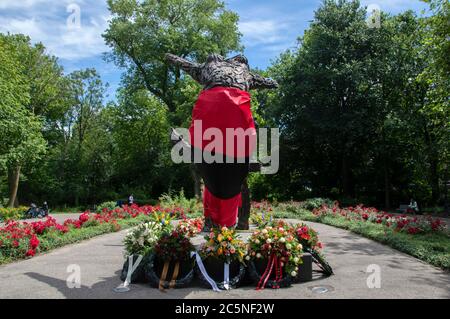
pixel 220 238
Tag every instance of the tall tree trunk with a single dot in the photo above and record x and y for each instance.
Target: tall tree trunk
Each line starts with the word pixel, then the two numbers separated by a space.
pixel 387 187
pixel 13 181
pixel 197 181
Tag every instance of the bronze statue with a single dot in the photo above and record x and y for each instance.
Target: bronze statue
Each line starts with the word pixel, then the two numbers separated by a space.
pixel 224 103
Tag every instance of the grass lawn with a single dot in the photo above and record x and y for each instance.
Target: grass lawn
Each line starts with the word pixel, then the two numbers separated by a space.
pixel 432 248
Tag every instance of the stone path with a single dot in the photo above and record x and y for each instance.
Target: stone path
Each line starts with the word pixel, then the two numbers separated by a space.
pixel 101 259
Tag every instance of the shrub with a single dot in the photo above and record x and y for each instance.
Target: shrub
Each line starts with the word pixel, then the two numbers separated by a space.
pixel 12 213
pixel 314 203
pixel 106 206
pixel 180 203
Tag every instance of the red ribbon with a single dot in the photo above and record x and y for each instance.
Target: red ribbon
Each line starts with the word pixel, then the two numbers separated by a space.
pixel 273 260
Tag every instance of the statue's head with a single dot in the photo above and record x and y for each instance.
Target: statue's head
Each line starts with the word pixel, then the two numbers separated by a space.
pixel 236 60
pixel 239 59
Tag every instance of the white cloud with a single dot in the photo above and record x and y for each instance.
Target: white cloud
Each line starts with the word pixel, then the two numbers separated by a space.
pixel 23 4
pixel 261 31
pixel 46 21
pixel 26 26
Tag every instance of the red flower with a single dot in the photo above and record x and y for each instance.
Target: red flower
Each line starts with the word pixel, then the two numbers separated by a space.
pixel 34 242
pixel 84 217
pixel 30 253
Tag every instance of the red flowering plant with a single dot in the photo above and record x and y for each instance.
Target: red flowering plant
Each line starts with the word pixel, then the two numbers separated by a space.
pixel 191 226
pixel 278 245
pixel 174 246
pixel 42 227
pixel 399 223
pixel 223 244
pixel 17 240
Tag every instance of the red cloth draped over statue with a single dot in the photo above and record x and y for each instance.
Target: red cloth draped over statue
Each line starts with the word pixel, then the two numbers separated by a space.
pixel 215 111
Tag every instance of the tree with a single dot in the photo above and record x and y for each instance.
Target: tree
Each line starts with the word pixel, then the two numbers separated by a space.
pixel 350 110
pixel 21 139
pixel 141 33
pixel 436 78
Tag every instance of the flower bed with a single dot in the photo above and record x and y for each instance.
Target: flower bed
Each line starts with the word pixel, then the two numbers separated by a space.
pixel 402 223
pixel 23 239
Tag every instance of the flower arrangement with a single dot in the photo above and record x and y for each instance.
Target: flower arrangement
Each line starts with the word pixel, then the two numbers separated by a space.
pixel 279 246
pixel 225 245
pixel 142 239
pixel 191 227
pixel 308 237
pixel 174 246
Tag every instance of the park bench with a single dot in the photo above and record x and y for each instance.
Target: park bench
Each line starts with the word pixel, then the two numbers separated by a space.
pixel 403 208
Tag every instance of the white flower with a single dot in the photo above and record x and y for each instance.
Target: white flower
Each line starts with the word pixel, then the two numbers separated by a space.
pixel 257 241
pixel 299 246
pixel 264 231
pixel 294 274
pixel 247 258
pixel 141 241
pixel 296 259
pixel 258 255
pixel 282 240
pixel 268 240
pixel 288 246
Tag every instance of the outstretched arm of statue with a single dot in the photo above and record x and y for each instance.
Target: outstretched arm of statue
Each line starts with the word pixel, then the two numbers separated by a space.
pixel 191 68
pixel 260 82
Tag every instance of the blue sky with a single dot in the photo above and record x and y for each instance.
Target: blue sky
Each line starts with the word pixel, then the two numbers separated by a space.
pixel 268 28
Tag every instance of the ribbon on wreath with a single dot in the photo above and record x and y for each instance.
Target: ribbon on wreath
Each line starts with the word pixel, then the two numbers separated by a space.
pixel 165 271
pixel 272 262
pixel 204 272
pixel 131 268
pixel 226 275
